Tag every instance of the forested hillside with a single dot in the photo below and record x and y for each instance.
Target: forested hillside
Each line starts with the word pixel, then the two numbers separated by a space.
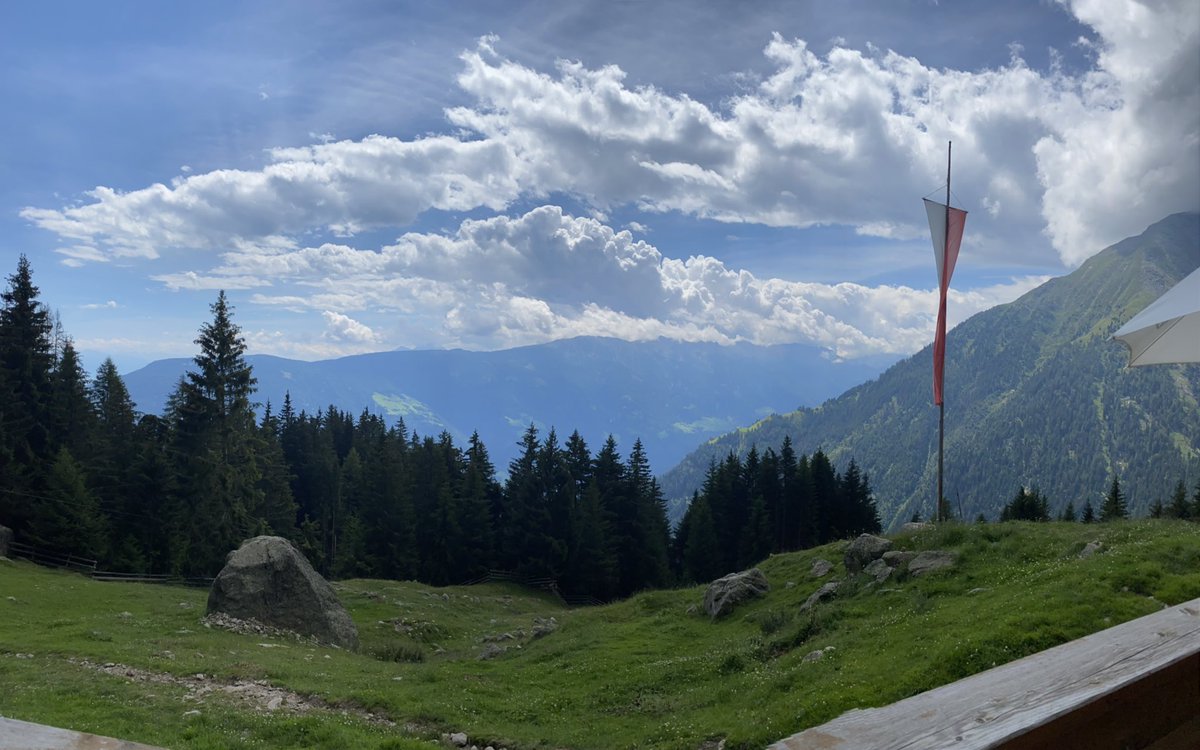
pixel 1037 394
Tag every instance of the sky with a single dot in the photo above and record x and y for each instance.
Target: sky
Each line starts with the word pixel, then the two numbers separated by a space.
pixel 363 175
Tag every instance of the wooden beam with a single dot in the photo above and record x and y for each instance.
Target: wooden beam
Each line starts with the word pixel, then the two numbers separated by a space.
pixel 1126 686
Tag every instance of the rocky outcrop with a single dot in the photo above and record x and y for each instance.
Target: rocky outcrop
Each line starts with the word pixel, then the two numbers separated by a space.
pixel 819 595
pixel 1091 548
pixel 863 550
pixel 820 568
pixel 724 594
pixel 268 580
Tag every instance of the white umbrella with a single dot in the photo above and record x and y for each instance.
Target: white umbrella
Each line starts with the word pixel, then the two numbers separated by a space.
pixel 1168 330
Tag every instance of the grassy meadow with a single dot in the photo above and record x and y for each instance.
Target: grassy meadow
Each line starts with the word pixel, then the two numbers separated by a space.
pixel 652 671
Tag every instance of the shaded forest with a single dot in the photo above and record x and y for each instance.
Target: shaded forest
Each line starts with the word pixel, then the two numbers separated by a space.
pixel 82 471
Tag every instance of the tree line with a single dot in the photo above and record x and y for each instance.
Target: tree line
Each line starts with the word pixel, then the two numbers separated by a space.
pixel 750 508
pixel 81 470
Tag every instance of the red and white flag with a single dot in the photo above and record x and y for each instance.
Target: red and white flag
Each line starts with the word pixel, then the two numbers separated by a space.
pixel 946 227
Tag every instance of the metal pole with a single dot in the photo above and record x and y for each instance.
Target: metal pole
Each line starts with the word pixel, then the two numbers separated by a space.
pixel 942 406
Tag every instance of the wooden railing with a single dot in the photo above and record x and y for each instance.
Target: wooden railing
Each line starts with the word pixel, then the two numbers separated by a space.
pixel 87 566
pixel 1135 685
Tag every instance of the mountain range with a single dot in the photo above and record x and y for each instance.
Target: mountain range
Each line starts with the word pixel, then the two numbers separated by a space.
pixel 1037 394
pixel 673 395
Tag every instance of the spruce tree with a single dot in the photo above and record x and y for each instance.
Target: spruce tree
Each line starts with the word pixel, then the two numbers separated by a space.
pixel 701 554
pixel 216 444
pixel 1114 507
pixel 26 364
pixel 72 414
pixel 1179 503
pixel 68 519
pixel 1089 515
pixel 1068 513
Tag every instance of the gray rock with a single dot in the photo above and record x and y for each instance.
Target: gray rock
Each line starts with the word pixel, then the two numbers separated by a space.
pixel 268 580
pixel 820 568
pixel 458 739
pixel 897 558
pixel 6 537
pixel 826 591
pixel 863 550
pixel 879 570
pixel 491 651
pixel 1092 548
pixel 812 656
pixel 725 593
pixel 931 560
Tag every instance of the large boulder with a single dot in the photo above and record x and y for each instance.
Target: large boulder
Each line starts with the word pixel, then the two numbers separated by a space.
pixel 6 537
pixel 725 593
pixel 267 579
pixel 863 550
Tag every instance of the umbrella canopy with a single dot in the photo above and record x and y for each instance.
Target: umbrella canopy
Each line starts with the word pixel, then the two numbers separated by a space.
pixel 1168 330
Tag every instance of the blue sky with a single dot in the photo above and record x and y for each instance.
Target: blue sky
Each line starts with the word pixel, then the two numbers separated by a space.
pixel 363 176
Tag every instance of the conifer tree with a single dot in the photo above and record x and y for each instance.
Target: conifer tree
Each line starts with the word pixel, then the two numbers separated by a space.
pixel 68 518
pixel 73 418
pixel 480 496
pixel 1068 513
pixel 1089 515
pixel 701 555
pixel 1114 507
pixel 215 442
pixel 1179 504
pixel 26 364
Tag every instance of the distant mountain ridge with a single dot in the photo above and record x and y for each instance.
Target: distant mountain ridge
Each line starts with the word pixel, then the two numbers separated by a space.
pixel 1036 394
pixel 673 395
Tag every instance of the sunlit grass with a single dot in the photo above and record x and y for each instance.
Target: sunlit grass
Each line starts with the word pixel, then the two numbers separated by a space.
pixel 643 673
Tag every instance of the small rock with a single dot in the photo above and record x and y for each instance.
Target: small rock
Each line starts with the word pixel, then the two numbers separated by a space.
pixel 820 568
pixel 897 558
pixel 826 591
pixel 879 570
pixel 931 560
pixel 1092 548
pixel 12 599
pixel 790 585
pixel 125 615
pixel 813 656
pixel 863 550
pixel 691 610
pixel 491 651
pixel 458 739
pixel 189 714
pixel 275 703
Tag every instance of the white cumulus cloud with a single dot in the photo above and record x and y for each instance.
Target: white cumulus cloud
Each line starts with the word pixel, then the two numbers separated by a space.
pixel 852 137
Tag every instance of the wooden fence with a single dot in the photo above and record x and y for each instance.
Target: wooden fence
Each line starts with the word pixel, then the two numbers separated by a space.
pixel 88 566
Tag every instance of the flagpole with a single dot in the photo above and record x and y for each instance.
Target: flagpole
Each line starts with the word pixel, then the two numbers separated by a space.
pixel 937 507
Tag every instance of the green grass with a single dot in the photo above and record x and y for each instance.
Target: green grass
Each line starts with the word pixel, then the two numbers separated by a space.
pixel 642 673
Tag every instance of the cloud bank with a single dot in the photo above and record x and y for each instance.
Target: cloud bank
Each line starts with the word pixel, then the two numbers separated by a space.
pixel 1045 159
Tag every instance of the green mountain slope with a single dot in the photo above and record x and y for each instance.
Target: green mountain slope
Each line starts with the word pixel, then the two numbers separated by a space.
pixel 1036 394
pixel 134 660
